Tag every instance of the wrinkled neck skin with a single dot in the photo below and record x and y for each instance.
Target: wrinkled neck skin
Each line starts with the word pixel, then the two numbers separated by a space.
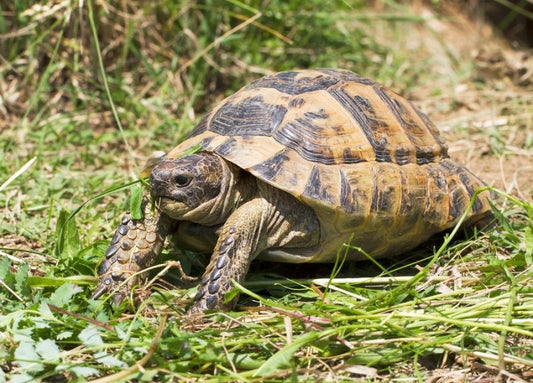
pixel 234 191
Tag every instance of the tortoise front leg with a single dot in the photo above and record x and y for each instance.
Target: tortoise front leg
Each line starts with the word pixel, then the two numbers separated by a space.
pixel 133 248
pixel 240 240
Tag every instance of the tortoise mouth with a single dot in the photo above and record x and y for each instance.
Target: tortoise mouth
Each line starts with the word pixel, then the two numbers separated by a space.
pixel 171 207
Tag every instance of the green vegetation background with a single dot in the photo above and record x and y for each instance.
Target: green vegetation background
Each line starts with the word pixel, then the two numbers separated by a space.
pixel 89 89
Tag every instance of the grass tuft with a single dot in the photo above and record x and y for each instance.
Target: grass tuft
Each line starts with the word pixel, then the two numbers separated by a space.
pixel 89 89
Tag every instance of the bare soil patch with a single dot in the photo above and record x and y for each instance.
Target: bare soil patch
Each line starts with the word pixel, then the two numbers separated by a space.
pixel 486 117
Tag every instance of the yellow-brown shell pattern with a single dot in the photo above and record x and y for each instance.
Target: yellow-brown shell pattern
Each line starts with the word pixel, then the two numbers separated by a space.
pixel 345 145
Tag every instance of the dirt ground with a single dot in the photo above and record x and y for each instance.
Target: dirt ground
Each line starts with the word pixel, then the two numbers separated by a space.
pixel 487 119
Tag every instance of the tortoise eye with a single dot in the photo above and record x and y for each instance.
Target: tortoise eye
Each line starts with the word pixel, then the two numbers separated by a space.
pixel 182 180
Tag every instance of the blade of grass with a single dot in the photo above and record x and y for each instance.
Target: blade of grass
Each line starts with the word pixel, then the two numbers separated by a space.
pixel 101 66
pixel 18 173
pixel 219 40
pixel 283 357
pixel 61 232
pixel 138 366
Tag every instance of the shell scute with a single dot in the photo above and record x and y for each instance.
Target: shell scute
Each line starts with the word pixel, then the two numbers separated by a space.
pixel 272 167
pixel 322 132
pixel 362 112
pixel 295 82
pixel 227 147
pixel 251 115
pixel 418 131
pixel 356 194
pixel 387 190
pixel 466 180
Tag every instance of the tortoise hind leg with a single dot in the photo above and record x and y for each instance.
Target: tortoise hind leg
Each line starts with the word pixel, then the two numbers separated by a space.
pixel 484 223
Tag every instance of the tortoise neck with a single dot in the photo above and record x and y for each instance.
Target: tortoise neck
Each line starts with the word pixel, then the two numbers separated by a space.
pixel 235 189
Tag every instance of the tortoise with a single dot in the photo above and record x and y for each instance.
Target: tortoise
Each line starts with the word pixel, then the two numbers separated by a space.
pixel 292 168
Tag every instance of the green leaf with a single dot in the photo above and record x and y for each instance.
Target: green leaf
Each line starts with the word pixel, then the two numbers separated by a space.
pixel 34 281
pixel 283 357
pixel 63 295
pixel 68 239
pixel 80 371
pixel 245 361
pixel 44 309
pixel 5 265
pixel 21 378
pixel 27 358
pixel 22 334
pixel 21 280
pixel 136 201
pixel 192 150
pixel 90 336
pixel 64 335
pixel 529 241
pixel 230 295
pixel 108 360
pixel 48 350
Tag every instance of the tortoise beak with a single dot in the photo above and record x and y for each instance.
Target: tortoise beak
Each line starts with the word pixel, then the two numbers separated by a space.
pixel 160 180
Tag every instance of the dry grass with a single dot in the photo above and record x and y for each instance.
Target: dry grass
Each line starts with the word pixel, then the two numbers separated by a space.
pixel 461 316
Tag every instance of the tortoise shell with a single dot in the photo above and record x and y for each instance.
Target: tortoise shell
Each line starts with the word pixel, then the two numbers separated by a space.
pixel 368 162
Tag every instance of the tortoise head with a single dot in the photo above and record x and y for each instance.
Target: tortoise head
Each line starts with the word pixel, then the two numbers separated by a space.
pixel 193 188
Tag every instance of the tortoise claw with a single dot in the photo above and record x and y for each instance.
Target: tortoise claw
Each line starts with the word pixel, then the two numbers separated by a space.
pixel 118 298
pixel 108 285
pixel 101 289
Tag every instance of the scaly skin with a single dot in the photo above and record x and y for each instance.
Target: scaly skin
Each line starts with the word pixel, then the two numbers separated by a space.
pixel 239 241
pixel 133 248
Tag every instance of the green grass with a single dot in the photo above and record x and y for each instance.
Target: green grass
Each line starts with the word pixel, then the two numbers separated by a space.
pixel 463 310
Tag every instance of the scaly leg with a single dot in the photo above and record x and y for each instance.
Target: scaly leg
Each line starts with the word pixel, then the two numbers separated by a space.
pixel 240 240
pixel 133 248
